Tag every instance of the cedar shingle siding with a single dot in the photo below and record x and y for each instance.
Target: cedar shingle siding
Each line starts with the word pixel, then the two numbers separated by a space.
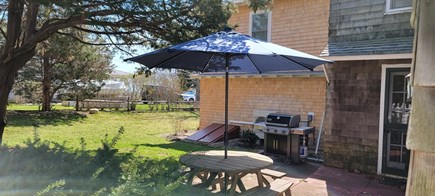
pixel 287 95
pixel 362 27
pixel 298 24
pixel 359 27
pixel 352 114
pixel 358 20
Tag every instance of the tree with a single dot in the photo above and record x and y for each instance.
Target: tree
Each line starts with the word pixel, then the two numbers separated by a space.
pixel 61 62
pixel 26 23
pixel 28 85
pixel 185 81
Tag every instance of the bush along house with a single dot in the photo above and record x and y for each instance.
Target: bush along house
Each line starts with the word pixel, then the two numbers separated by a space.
pixel 297 24
pixel 368 97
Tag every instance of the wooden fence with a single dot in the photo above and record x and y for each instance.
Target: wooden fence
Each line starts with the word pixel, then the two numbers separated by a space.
pixel 102 104
pixel 152 106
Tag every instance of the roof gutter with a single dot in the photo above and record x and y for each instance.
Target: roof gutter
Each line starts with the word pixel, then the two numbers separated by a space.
pixel 369 57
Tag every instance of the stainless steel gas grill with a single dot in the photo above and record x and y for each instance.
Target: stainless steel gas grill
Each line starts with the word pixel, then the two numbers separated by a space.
pixel 282 135
pixel 283 120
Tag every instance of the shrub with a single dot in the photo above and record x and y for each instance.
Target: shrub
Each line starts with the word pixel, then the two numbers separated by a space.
pixel 48 168
pixel 248 138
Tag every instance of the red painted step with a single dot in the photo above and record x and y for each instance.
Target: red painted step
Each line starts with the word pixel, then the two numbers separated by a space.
pixel 204 132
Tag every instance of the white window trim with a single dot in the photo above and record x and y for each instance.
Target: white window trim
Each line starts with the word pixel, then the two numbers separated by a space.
pixel 388 9
pixel 382 110
pixel 269 23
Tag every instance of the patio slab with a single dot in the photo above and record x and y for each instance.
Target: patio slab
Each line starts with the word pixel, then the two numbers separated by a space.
pixel 333 181
pixel 315 179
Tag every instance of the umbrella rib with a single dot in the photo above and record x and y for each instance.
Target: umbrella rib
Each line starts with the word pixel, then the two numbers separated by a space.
pixel 208 63
pixel 311 69
pixel 249 57
pixel 173 57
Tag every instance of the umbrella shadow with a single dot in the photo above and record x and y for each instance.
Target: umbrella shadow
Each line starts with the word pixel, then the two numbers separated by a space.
pixel 177 145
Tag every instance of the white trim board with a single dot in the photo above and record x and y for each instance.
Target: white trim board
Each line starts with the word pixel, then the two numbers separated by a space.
pixel 382 110
pixel 286 75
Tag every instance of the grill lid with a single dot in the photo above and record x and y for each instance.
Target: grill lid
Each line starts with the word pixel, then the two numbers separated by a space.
pixel 283 120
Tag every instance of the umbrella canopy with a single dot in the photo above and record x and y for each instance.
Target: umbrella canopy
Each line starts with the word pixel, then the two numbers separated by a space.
pixel 229 51
pixel 246 55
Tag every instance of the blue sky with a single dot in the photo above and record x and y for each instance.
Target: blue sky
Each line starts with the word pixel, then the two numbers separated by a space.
pixel 124 66
pixel 118 59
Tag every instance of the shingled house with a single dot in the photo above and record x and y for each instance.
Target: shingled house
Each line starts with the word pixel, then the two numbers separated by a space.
pixel 368 103
pixel 297 24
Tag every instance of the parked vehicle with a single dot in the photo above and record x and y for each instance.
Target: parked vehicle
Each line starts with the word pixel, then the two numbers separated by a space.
pixel 189 96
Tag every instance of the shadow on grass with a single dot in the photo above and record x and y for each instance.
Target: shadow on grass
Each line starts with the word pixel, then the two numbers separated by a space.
pixel 47 168
pixel 33 118
pixel 177 145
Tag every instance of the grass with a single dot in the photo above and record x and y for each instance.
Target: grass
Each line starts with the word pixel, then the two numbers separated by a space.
pixel 73 152
pixel 144 131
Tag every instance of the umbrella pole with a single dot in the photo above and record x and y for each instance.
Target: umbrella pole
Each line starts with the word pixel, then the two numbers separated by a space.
pixel 227 65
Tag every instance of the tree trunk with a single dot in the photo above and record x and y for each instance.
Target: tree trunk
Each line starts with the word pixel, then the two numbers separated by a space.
pixel 46 84
pixel 77 103
pixel 8 69
pixel 6 82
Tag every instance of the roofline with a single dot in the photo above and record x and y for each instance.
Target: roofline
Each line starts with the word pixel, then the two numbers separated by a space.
pixel 369 57
pixel 240 2
pixel 316 74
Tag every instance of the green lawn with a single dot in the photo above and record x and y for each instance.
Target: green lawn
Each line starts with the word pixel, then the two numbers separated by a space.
pixel 145 131
pixel 141 161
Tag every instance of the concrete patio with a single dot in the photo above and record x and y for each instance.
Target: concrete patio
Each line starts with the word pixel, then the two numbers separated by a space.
pixel 333 181
pixel 315 179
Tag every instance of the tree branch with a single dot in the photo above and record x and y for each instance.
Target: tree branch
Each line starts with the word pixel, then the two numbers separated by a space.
pixel 116 46
pixel 109 32
pixel 15 12
pixel 31 19
pixel 98 44
pixel 3 32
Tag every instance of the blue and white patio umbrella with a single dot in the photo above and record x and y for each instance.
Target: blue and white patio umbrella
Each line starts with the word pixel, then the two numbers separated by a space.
pixel 228 51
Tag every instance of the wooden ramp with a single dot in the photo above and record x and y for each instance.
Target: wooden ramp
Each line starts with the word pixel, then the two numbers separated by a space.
pixel 204 132
pixel 214 133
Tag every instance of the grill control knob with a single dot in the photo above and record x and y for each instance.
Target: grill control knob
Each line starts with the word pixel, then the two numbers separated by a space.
pixel 283 132
pixel 267 129
pixel 276 130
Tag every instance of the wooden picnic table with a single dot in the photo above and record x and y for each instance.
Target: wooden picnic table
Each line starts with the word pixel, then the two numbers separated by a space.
pixel 210 165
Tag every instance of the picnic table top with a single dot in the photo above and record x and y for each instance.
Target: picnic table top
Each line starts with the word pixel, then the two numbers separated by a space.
pixel 237 162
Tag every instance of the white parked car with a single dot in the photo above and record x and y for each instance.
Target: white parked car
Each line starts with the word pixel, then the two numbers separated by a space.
pixel 189 96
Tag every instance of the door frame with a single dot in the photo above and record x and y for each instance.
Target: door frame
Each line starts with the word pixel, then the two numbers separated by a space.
pixel 382 110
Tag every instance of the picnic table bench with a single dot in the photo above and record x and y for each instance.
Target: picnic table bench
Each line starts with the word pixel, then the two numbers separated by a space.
pixel 277 187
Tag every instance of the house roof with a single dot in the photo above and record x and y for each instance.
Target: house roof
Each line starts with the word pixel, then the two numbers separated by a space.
pixel 113 85
pixel 119 73
pixel 398 45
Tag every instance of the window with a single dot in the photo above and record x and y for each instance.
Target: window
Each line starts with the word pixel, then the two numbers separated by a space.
pixel 260 25
pixel 398 6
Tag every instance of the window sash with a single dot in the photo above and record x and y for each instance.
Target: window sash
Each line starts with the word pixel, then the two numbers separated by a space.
pixel 260 26
pixel 398 6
